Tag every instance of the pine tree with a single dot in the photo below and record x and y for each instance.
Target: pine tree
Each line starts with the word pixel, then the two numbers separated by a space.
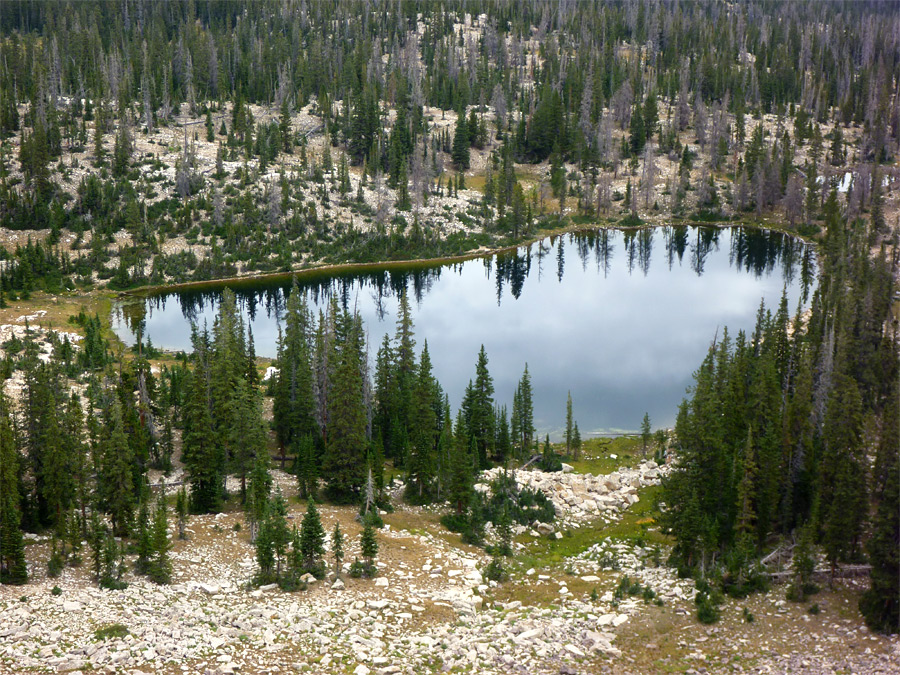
pixel 265 553
pixel 569 422
pixel 312 540
pixel 368 546
pixel 460 153
pixel 144 539
pixel 161 566
pixel 478 405
pixel 116 477
pixel 645 434
pixel 462 474
pixel 523 414
pixel 881 603
pixel 284 128
pixel 423 432
pixel 637 132
pixel 337 548
pixel 256 505
pixel 293 401
pixel 576 442
pixel 404 203
pixel 201 451
pixel 843 474
pixel 278 533
pixel 13 569
pixel 344 463
pixel 650 115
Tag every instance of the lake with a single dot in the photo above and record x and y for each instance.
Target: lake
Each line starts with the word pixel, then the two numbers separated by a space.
pixel 619 318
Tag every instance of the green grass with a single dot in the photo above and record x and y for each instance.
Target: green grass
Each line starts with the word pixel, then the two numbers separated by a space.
pixel 634 526
pixel 595 454
pixel 111 631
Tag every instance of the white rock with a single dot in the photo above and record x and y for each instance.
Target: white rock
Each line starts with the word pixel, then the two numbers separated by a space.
pixel 572 649
pixel 338 585
pixel 361 670
pixel 72 606
pixel 381 582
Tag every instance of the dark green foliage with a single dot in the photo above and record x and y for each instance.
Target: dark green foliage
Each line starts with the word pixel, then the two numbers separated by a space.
pixel 337 548
pixel 460 154
pixel 312 541
pixel 495 571
pixel 56 562
pixel 550 460
pixel 368 546
pixel 343 463
pixel 13 569
pixel 881 603
pixel 160 567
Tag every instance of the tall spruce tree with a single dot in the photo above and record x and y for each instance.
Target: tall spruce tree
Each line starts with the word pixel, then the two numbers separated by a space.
pixel 13 569
pixel 880 604
pixel 344 461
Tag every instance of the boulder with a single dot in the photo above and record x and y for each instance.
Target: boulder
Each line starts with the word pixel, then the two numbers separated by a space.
pixel 544 529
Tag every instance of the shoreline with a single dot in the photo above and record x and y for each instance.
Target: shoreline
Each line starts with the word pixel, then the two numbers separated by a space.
pixel 333 269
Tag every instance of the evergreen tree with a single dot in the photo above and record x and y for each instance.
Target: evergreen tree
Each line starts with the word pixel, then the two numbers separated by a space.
pixel 650 115
pixel 161 566
pixel 638 132
pixel 144 539
pixel 265 552
pixel 569 425
pixel 284 128
pixel 523 414
pixel 337 548
pixel 312 540
pixel 116 478
pixel 424 432
pixel 462 472
pixel 343 464
pixel 257 501
pixel 843 473
pixel 645 434
pixel 880 604
pixel 277 529
pixel 368 546
pixel 478 407
pixel 460 154
pixel 293 400
pixel 13 569
pixel 201 451
pixel 576 442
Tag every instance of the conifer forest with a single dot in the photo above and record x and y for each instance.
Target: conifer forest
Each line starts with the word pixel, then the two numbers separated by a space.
pixel 331 506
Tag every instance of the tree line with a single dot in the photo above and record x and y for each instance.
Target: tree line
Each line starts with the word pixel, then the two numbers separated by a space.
pixel 790 434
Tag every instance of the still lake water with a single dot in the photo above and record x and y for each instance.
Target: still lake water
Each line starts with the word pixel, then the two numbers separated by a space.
pixel 619 318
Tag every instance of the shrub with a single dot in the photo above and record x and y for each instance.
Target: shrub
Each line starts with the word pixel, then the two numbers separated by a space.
pixel 111 631
pixel 495 571
pixel 707 612
pixel 56 590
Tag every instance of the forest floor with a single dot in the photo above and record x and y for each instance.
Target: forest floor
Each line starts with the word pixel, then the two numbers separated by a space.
pixel 430 609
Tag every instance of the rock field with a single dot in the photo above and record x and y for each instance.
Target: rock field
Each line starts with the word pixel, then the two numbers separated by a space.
pixel 429 610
